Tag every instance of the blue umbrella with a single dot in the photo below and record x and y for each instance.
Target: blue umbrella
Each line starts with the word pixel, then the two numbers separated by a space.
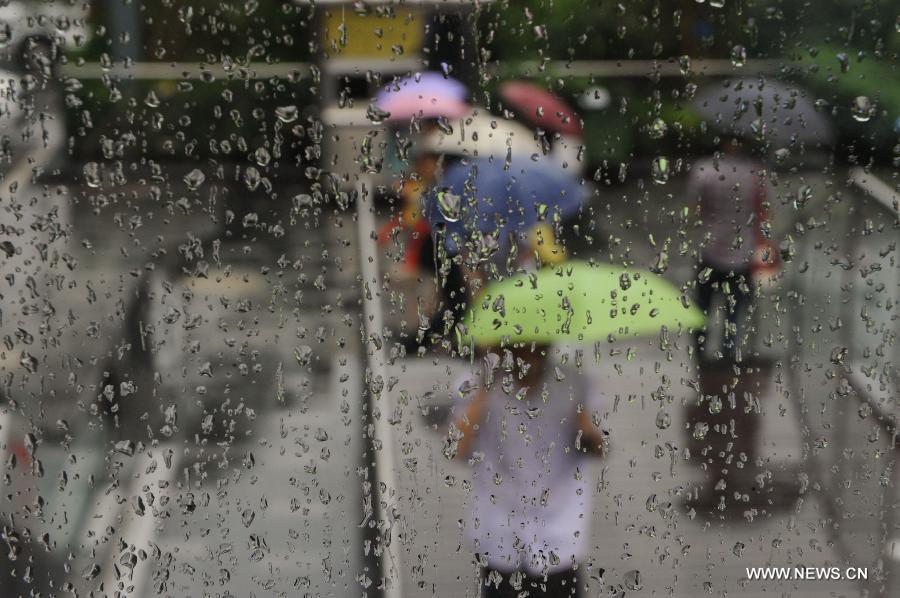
pixel 488 201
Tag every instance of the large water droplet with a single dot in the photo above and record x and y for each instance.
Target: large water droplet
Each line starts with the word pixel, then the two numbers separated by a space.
pixel 861 109
pixel 632 580
pixel 194 179
pixel 802 197
pixel 700 430
pixel 262 156
pixel 376 114
pixel 286 114
pixel 739 56
pixel 6 34
pixel 91 172
pixel 660 169
pixel 151 100
pixel 450 205
pixel 663 419
pixel 29 362
pixel 252 178
pixel 657 129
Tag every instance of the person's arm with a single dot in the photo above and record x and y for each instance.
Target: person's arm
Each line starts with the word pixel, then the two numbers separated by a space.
pixel 467 425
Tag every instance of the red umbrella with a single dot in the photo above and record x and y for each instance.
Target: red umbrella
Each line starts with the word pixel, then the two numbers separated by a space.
pixel 541 108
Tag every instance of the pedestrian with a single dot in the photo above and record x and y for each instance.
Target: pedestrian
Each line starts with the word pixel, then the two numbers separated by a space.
pixel 526 427
pixel 436 154
pixel 729 190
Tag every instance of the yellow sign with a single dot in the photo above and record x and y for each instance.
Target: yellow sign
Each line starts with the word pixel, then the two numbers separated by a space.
pixel 390 32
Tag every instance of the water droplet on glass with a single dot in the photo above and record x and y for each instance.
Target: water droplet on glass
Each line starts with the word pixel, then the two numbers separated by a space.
pixel 659 170
pixel 262 156
pixel 194 179
pixel 286 114
pixel 759 129
pixel 303 355
pixel 91 172
pixel 861 109
pixel 252 178
pixel 376 115
pixel 739 56
pixel 632 580
pixel 29 362
pixel 6 34
pixel 450 205
pixel 657 129
pixel 151 100
pixel 700 430
pixel 444 125
pixel 125 447
pixel 864 411
pixel 844 61
pixel 663 419
pixel 802 197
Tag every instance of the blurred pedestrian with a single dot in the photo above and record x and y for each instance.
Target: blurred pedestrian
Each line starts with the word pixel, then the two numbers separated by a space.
pixel 729 190
pixel 443 150
pixel 526 428
pixel 504 216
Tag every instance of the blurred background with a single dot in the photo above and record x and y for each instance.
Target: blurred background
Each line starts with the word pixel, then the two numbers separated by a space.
pixel 210 381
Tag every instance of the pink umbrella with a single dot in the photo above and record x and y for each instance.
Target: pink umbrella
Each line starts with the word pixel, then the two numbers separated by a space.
pixel 423 95
pixel 540 108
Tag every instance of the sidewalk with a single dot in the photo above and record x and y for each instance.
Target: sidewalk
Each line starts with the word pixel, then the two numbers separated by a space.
pixel 633 528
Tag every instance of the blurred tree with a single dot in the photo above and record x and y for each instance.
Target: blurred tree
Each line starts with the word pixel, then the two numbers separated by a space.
pixel 590 30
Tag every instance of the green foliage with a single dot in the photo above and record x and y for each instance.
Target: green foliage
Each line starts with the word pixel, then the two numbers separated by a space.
pixel 210 29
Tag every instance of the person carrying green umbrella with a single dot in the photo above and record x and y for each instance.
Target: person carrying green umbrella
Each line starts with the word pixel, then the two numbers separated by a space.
pixel 526 421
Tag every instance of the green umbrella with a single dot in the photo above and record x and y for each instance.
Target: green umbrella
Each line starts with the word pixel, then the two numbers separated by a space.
pixel 579 302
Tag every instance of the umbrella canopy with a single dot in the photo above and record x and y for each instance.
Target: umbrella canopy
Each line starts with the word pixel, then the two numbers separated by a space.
pixel 772 112
pixel 540 108
pixel 423 95
pixel 576 302
pixel 481 134
pixel 499 198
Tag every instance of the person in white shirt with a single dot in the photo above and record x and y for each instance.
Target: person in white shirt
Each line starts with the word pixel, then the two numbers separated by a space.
pixel 526 427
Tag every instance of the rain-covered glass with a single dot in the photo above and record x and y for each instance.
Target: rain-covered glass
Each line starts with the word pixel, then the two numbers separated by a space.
pixel 449 298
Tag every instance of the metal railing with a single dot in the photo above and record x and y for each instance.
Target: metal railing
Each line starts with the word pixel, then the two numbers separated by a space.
pixel 575 68
pixel 850 383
